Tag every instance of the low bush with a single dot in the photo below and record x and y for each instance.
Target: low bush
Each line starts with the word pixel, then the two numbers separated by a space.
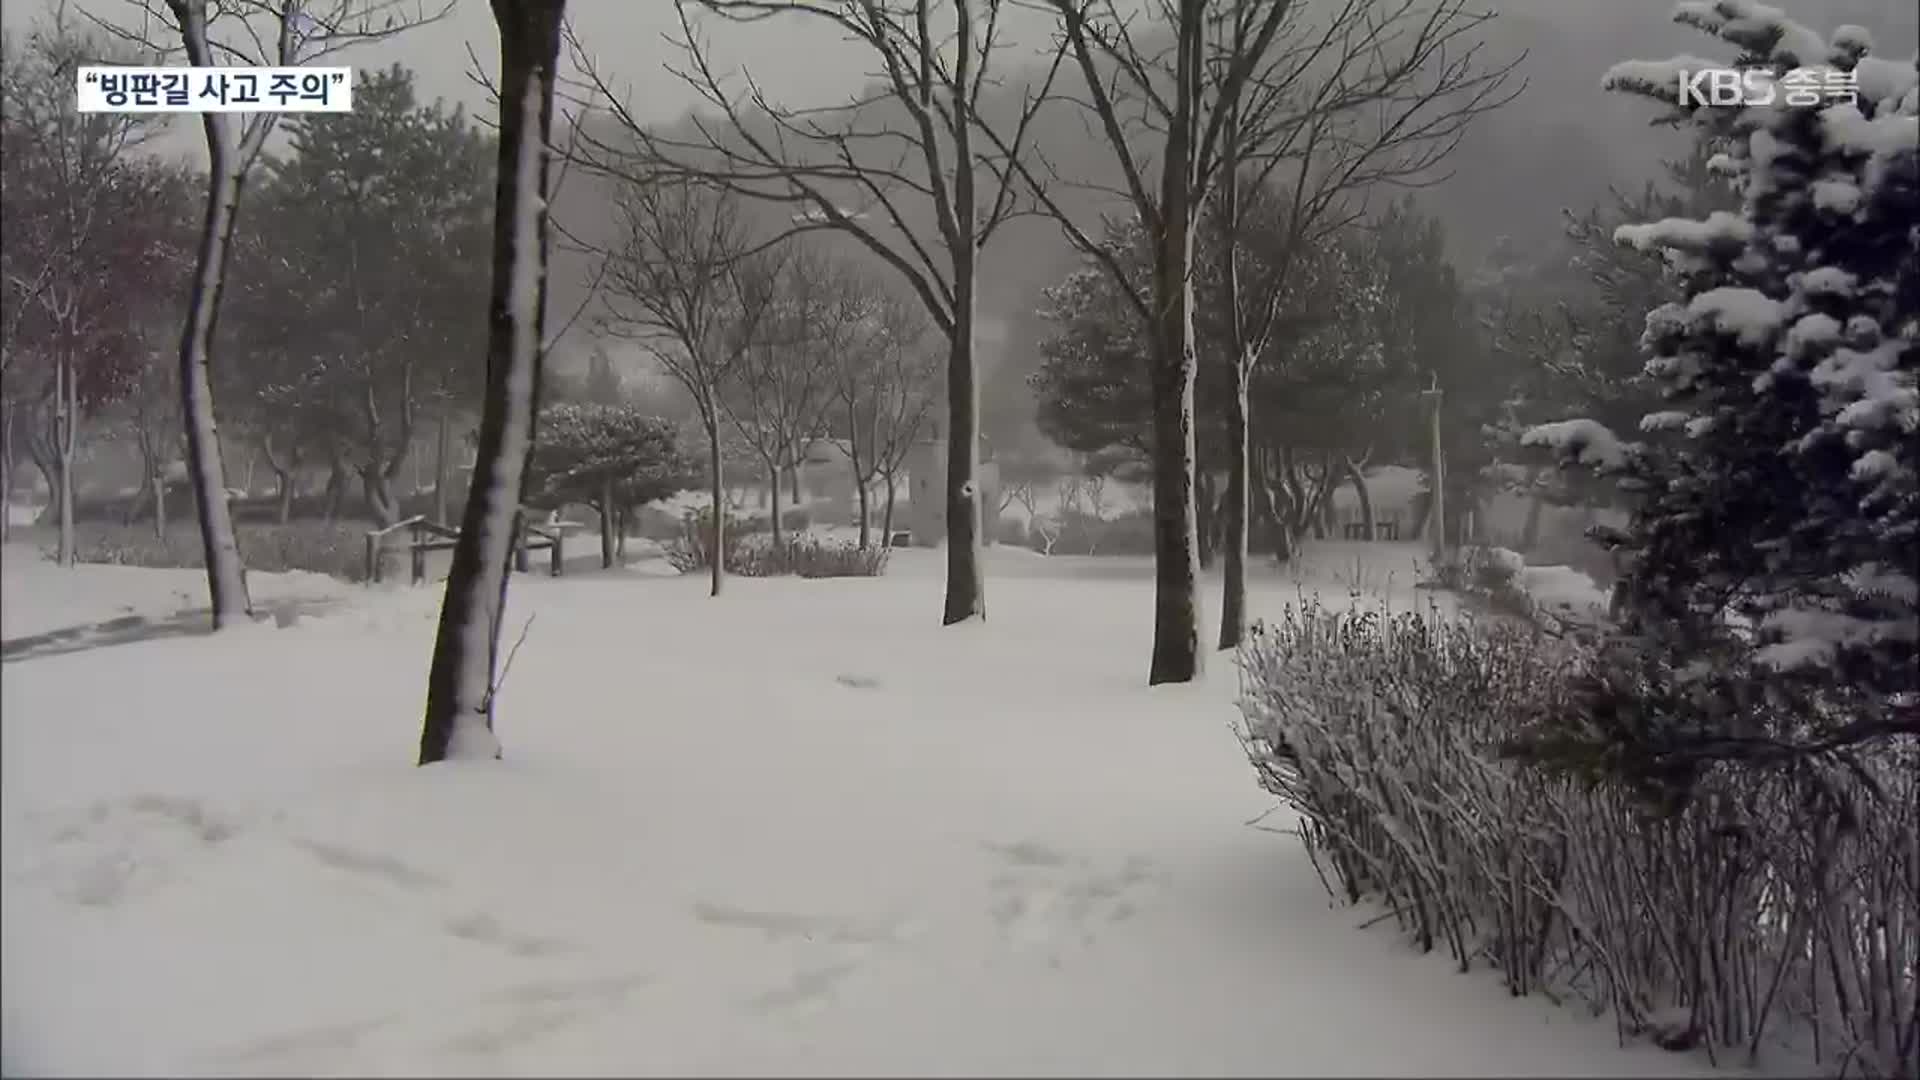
pixel 1775 909
pixel 338 549
pixel 750 554
pixel 1079 533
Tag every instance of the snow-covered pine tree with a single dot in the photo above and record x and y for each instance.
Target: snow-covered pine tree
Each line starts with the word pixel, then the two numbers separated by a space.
pixel 1769 612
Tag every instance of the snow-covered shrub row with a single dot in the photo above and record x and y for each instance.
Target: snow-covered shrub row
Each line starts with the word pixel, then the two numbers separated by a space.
pixel 1771 911
pixel 335 548
pixel 752 554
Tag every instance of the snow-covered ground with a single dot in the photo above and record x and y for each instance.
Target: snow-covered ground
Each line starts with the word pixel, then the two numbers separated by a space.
pixel 798 829
pixel 39 598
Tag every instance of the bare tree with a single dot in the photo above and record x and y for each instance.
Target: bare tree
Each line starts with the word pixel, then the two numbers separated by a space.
pixel 857 332
pixel 686 280
pixel 86 228
pixel 780 400
pixel 1360 96
pixel 215 33
pixel 905 391
pixel 876 168
pixel 461 682
pixel 1176 96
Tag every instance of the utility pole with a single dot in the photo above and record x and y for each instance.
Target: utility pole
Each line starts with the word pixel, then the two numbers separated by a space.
pixel 1437 467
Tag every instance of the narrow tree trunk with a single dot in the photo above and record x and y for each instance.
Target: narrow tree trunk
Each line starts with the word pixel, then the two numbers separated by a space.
pixel 1233 546
pixel 285 492
pixel 606 522
pixel 380 501
pixel 718 555
pixel 66 439
pixel 1530 532
pixel 7 462
pixel 442 446
pixel 1358 478
pixel 1438 505
pixel 773 485
pixel 966 596
pixel 460 684
pixel 621 524
pixel 864 498
pixel 793 483
pixel 336 491
pixel 206 471
pixel 886 518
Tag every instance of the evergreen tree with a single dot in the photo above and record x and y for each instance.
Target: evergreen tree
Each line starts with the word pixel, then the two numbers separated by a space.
pixel 1769 612
pixel 363 273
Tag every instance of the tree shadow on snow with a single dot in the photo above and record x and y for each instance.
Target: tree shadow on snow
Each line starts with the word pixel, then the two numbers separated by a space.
pixel 129 629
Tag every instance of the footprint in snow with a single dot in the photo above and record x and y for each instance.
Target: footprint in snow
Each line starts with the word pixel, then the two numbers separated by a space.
pixel 832 948
pixel 1046 900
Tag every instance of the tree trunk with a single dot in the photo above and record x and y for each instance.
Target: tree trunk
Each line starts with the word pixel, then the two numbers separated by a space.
pixel 620 537
pixel 718 555
pixel 1437 465
pixel 966 596
pixel 863 497
pixel 886 518
pixel 606 522
pixel 50 476
pixel 1358 478
pixel 284 511
pixel 442 446
pixel 1205 499
pixel 7 462
pixel 1176 626
pixel 226 576
pixel 460 683
pixel 65 441
pixel 773 515
pixel 1530 532
pixel 380 501
pixel 1233 546
pixel 336 492
pixel 793 483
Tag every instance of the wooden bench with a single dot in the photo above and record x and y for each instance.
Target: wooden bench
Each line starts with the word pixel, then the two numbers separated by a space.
pixel 424 536
pixel 1382 530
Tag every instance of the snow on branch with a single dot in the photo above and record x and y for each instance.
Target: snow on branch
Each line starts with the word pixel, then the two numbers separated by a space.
pixel 1750 315
pixel 1759 28
pixel 1582 441
pixel 1721 231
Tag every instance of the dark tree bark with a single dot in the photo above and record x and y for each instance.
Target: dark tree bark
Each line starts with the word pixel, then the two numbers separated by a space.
pixel 863 498
pixel 966 586
pixel 773 485
pixel 459 721
pixel 1233 594
pixel 606 523
pixel 442 452
pixel 717 571
pixel 886 519
pixel 1356 475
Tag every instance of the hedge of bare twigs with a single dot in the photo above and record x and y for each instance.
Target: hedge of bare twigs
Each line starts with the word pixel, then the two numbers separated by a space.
pixel 758 555
pixel 1776 912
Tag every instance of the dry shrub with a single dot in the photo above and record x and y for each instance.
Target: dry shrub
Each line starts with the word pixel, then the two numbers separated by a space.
pixel 1776 909
pixel 757 555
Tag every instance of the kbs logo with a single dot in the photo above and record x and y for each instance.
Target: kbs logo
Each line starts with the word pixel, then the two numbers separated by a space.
pixel 1800 88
